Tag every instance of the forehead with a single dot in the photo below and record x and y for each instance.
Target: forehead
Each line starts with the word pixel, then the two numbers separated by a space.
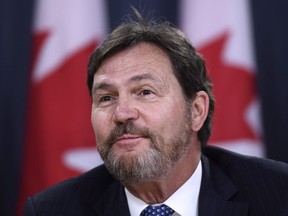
pixel 142 58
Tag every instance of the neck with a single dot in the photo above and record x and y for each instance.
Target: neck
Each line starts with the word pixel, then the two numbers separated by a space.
pixel 159 190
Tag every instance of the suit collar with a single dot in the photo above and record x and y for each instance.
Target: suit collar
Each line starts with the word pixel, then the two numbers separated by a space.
pixel 217 192
pixel 113 201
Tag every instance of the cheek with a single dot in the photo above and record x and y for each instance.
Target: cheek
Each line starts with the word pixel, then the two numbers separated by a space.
pixel 169 119
pixel 100 125
pixel 94 120
pixel 164 122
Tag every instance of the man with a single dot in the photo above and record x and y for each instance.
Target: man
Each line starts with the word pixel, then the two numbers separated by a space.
pixel 152 108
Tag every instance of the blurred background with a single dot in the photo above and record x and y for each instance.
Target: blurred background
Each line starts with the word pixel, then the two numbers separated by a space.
pixel 45 132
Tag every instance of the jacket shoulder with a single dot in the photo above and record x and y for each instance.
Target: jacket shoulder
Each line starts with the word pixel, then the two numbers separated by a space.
pixel 230 161
pixel 75 195
pixel 261 182
pixel 98 177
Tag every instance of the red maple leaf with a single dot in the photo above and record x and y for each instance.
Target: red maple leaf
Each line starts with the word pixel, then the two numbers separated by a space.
pixel 234 90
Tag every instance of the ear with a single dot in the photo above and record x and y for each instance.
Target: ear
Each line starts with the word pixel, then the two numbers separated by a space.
pixel 200 107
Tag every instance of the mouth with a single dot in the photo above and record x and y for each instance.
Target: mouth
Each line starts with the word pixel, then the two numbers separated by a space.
pixel 129 142
pixel 127 138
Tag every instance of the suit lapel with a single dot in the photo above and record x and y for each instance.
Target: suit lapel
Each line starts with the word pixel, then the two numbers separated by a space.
pixel 217 192
pixel 215 198
pixel 113 202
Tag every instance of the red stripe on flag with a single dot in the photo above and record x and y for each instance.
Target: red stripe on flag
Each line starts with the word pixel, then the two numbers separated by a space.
pixel 58 119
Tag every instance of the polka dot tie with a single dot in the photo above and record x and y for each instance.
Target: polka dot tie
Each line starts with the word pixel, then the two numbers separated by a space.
pixel 159 210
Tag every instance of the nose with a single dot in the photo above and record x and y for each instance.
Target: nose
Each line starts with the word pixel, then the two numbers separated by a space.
pixel 125 111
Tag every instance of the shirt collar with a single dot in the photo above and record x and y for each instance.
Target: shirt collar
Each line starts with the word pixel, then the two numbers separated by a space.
pixel 184 201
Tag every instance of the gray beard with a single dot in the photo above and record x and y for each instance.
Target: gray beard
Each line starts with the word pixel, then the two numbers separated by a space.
pixel 152 163
pixel 146 166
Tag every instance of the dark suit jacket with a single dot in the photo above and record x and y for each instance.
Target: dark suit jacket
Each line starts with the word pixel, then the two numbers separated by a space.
pixel 231 185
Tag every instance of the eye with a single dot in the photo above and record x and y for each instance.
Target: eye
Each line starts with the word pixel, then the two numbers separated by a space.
pixel 146 92
pixel 105 98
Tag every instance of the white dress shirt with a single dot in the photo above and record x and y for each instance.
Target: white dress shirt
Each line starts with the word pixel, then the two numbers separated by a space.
pixel 184 201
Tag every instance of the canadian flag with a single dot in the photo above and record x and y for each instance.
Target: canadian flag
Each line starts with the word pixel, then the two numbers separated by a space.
pixel 59 137
pixel 221 32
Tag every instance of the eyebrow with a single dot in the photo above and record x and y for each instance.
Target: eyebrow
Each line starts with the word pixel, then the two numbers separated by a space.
pixel 100 85
pixel 136 78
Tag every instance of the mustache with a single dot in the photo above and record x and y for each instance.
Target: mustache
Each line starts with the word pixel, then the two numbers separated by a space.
pixel 127 128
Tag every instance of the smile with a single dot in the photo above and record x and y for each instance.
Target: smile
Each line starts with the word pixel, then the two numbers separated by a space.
pixel 129 142
pixel 127 138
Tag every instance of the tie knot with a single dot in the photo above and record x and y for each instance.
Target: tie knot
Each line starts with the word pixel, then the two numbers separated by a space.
pixel 157 210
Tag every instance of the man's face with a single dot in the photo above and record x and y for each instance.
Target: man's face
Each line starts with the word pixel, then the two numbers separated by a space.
pixel 139 115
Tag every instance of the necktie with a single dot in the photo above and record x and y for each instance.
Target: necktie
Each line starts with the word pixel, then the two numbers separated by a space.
pixel 159 210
